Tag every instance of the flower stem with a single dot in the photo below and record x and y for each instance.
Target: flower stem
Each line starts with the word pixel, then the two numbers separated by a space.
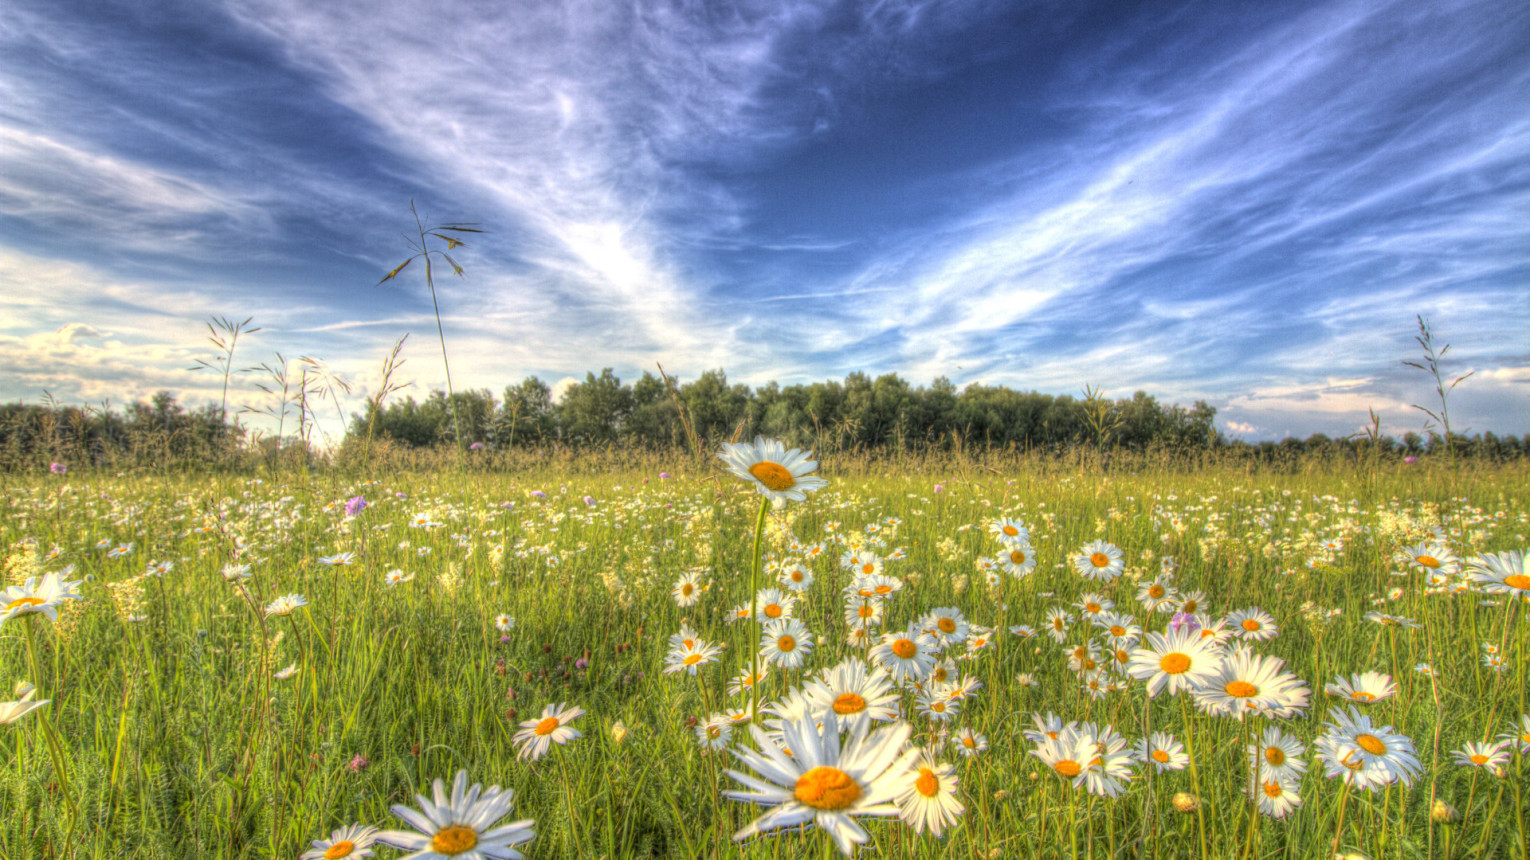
pixel 54 748
pixel 754 596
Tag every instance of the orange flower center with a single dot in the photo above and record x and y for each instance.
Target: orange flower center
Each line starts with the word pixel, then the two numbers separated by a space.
pixel 1155 590
pixel 1016 557
pixel 1190 605
pixel 773 611
pixel 1427 560
pixel 946 625
pixel 866 611
pixel 1275 756
pixel 25 601
pixel 786 643
pixel 1117 630
pixel 1174 664
pixel 1242 689
pixel 455 839
pixel 1011 531
pixel 773 475
pixel 1068 767
pixel 1479 759
pixel 1361 696
pixel 1160 756
pixel 883 589
pixel 1273 789
pixel 827 788
pixel 927 784
pixel 545 727
pixel 969 743
pixel 1371 744
pixel 1518 580
pixel 691 659
pixel 1099 559
pixel 905 649
pixel 686 589
pixel 1093 607
pixel 343 848
pixel 849 703
pixel 1250 625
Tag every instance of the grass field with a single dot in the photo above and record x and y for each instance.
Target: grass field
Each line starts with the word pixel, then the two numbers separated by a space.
pixel 194 712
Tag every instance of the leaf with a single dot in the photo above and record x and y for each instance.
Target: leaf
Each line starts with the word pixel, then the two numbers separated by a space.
pixel 400 268
pixel 451 241
pixel 455 268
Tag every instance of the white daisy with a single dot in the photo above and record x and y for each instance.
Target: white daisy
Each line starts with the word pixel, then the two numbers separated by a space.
pixel 777 473
pixel 537 736
pixel 459 827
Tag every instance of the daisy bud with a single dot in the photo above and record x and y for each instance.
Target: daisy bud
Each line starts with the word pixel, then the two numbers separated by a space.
pixel 1186 802
pixel 618 732
pixel 1443 813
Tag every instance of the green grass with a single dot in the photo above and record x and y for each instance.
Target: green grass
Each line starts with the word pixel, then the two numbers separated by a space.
pixel 178 742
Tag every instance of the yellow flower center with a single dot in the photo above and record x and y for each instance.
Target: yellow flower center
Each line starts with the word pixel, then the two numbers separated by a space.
pixel 544 728
pixel 1242 689
pixel 969 743
pixel 1175 663
pixel 1273 789
pixel 849 703
pixel 1251 625
pixel 1361 696
pixel 25 601
pixel 773 475
pixel 1155 590
pixel 686 589
pixel 1427 560
pixel 868 569
pixel 1068 767
pixel 1518 580
pixel 883 589
pixel 786 643
pixel 946 625
pixel 866 611
pixel 1016 557
pixel 1099 559
pixel 1371 744
pixel 689 643
pixel 1479 759
pixel 1160 756
pixel 827 788
pixel 1117 630
pixel 796 576
pixel 340 849
pixel 455 839
pixel 939 674
pixel 1190 605
pixel 905 649
pixel 691 659
pixel 1011 531
pixel 927 784
pixel 714 732
pixel 1275 756
pixel 773 611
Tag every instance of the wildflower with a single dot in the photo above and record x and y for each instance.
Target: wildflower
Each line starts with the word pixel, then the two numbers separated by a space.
pixel 1491 757
pixel 1277 756
pixel 396 577
pixel 854 687
pixel 339 559
pixel 537 736
pixel 1274 797
pixel 1430 558
pixel 1519 736
pixel 908 655
pixel 715 733
pixel 1178 660
pixel 796 578
pixel 927 798
pixel 1253 624
pixel 1009 531
pixel 618 732
pixel 687 589
pixel 1100 560
pixel 459 824
pixel 57 468
pixel 355 505
pixel 358 763
pixel 1365 755
pixel 1018 559
pixel 947 624
pixel 786 643
pixel 690 656
pixel 1502 573
pixel 777 473
pixel 504 623
pixel 1443 813
pixel 1163 752
pixel 10 712
pixel 236 572
pixel 1366 688
pixel 38 596
pixel 1250 683
pixel 345 843
pixel 284 674
pixel 286 605
pixel 822 780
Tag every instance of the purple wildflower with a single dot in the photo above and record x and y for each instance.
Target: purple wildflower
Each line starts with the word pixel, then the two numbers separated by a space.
pixel 476 446
pixel 58 468
pixel 664 476
pixel 1409 459
pixel 940 488
pixel 355 505
pixel 359 763
pixel 581 663
pixel 589 501
pixel 1181 620
pixel 538 494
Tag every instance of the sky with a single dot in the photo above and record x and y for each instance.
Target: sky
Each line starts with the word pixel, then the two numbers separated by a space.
pixel 1245 203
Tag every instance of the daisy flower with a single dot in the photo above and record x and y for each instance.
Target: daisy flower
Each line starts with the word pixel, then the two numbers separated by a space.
pixel 908 655
pixel 927 800
pixel 1365 688
pixel 948 624
pixel 1431 558
pixel 1365 755
pixel 1057 623
pixel 351 841
pixel 933 704
pixel 396 576
pixel 459 827
pixel 503 623
pixel 1049 727
pixel 1253 624
pixel 786 642
pixel 1118 627
pixel 1175 661
pixel 970 743
pixel 1157 594
pixel 1018 559
pixel 773 604
pixel 1162 751
pixel 690 656
pixel 1274 796
pixel 716 733
pixel 1502 573
pixel 796 578
pixel 687 589
pixel 779 475
pixel 1009 531
pixel 10 712
pixel 823 780
pixel 1277 756
pixel 1249 683
pixel 1100 560
pixel 284 674
pixel 1092 605
pixel 1519 736
pixel 1491 757
pixel 863 612
pixel 537 736
pixel 744 681
pixel 38 596
pixel 339 559
pixel 854 687
pixel 286 605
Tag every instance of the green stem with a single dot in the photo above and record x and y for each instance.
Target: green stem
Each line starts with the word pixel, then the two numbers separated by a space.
pixel 754 596
pixel 54 748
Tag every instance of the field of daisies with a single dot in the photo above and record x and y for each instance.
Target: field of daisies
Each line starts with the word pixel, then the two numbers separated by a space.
pixel 759 657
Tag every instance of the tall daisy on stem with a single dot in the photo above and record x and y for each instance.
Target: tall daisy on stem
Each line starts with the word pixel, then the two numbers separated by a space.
pixel 780 475
pixel 27 601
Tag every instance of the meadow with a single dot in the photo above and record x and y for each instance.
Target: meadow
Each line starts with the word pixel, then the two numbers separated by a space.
pixel 961 660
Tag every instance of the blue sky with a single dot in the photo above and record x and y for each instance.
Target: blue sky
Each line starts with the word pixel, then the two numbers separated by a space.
pixel 1243 203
